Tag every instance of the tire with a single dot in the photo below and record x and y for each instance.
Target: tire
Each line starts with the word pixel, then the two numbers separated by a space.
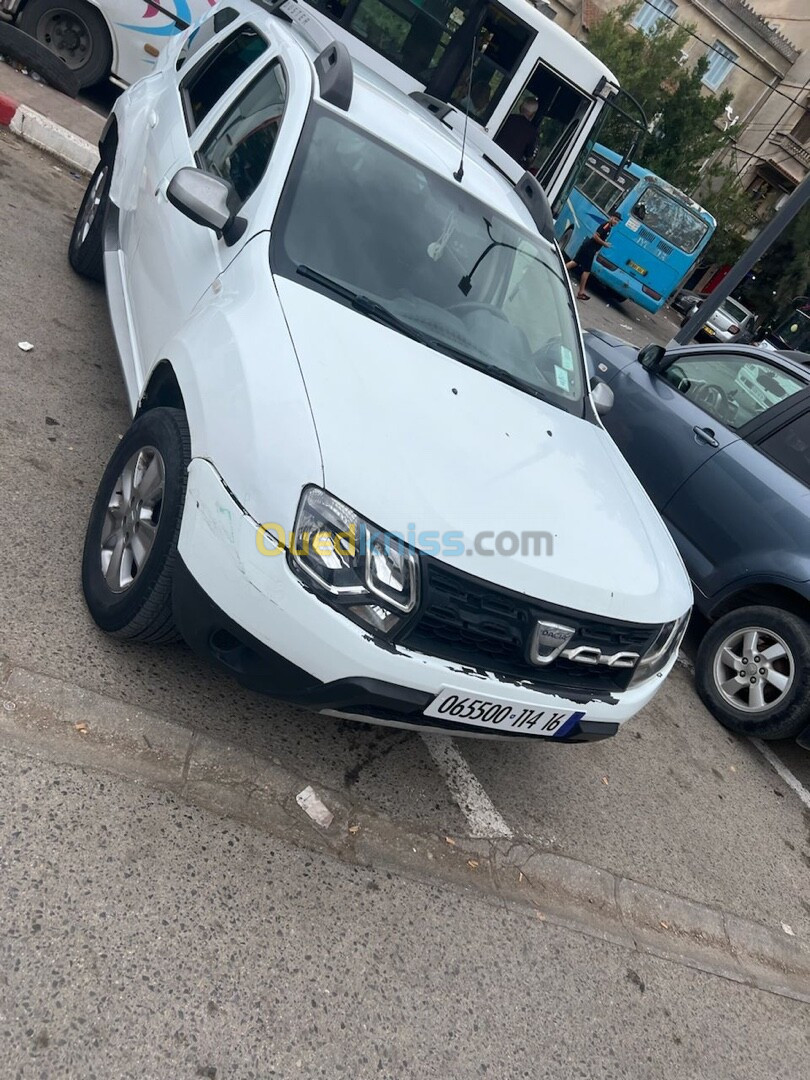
pixel 20 46
pixel 86 247
pixel 784 709
pixel 131 596
pixel 75 32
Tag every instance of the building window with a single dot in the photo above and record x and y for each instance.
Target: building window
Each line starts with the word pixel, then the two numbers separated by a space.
pixel 801 132
pixel 652 13
pixel 721 61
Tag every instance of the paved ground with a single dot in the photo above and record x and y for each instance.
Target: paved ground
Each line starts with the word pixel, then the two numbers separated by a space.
pixel 143 938
pixel 674 800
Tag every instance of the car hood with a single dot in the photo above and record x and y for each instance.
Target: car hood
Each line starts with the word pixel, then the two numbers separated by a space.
pixel 418 443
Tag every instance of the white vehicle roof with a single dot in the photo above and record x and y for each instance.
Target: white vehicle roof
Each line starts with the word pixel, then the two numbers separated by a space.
pixel 568 56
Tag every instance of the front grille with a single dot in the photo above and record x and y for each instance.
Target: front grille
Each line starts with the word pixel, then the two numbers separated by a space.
pixel 480 625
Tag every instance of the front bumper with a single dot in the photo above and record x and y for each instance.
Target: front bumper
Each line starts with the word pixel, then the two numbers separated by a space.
pixel 248 613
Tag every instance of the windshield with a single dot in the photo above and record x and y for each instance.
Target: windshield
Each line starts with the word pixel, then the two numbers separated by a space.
pixel 734 311
pixel 670 218
pixel 361 222
pixel 795 331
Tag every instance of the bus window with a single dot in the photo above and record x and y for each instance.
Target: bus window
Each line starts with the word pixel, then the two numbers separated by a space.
pixel 669 218
pixel 502 40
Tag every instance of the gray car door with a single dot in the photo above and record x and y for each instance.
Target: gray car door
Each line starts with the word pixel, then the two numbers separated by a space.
pixel 667 425
pixel 745 516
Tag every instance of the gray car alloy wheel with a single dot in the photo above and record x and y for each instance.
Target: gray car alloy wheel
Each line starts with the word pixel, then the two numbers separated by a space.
pixel 91 204
pixel 753 669
pixel 132 518
pixel 66 34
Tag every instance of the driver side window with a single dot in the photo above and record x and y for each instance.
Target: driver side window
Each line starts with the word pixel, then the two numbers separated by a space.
pixel 732 388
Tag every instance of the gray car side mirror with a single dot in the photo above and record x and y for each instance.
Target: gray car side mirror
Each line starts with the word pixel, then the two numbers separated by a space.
pixel 651 357
pixel 205 200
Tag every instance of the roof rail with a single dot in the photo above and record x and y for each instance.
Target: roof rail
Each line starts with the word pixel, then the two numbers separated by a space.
pixel 533 196
pixel 434 105
pixel 333 64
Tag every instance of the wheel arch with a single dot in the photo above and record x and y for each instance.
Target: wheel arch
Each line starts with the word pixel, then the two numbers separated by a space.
pixel 763 594
pixel 162 390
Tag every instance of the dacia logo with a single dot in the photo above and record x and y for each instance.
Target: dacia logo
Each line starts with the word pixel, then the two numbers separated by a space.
pixel 549 641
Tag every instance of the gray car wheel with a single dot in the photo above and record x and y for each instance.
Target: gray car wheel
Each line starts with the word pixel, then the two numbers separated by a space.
pixel 753 672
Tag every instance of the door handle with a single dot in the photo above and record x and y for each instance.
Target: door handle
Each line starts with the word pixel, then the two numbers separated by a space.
pixel 705 435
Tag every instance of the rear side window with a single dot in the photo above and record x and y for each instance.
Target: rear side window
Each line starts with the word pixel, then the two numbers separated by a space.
pixel 215 75
pixel 790 447
pixel 239 148
pixel 207 30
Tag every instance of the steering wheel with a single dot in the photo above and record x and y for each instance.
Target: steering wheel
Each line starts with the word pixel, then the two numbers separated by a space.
pixel 678 378
pixel 475 305
pixel 713 399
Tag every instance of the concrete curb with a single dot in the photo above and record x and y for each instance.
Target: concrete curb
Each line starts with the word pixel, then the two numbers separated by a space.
pixel 48 718
pixel 38 130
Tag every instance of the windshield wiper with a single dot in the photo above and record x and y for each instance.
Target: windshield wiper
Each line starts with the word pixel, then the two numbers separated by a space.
pixel 366 306
pixel 375 310
pixel 497 373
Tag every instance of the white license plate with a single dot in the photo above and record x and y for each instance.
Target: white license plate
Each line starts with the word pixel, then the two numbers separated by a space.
pixel 500 714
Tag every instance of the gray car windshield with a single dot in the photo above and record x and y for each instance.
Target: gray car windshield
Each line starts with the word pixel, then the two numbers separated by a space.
pixel 377 230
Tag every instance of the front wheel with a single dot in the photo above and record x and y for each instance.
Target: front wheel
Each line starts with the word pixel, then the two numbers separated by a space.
pixel 753 672
pixel 130 548
pixel 75 32
pixel 86 248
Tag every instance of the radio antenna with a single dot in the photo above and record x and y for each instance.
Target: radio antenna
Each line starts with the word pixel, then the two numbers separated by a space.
pixel 459 173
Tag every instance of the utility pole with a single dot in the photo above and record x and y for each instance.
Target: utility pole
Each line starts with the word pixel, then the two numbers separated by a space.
pixel 736 275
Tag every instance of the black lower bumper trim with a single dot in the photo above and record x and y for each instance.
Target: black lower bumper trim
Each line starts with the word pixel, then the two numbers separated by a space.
pixel 212 634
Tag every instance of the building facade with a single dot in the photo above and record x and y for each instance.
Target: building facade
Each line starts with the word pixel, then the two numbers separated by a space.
pixel 757 49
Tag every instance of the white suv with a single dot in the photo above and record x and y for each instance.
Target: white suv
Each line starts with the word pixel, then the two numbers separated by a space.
pixel 365 472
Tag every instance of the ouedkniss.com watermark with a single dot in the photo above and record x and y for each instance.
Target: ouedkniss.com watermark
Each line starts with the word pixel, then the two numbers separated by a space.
pixel 273 539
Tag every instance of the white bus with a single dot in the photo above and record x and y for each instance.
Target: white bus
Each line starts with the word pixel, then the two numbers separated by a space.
pixel 418 45
pixel 517 52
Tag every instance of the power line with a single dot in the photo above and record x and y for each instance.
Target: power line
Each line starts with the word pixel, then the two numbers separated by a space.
pixel 734 63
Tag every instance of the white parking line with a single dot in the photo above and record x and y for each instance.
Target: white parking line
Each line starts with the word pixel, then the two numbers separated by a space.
pixel 474 803
pixel 776 763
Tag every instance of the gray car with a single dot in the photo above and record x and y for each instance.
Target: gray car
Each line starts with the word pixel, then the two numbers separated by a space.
pixel 720 438
pixel 732 321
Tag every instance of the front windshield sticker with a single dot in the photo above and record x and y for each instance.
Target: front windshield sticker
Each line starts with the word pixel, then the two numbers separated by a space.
pixel 562 379
pixel 567 358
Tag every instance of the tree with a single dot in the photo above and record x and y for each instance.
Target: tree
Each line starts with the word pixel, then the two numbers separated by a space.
pixel 785 271
pixel 722 194
pixel 649 65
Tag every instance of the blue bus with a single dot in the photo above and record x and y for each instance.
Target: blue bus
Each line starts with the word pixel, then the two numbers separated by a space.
pixel 657 242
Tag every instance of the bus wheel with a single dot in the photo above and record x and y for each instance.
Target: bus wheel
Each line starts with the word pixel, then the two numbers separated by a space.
pixel 75 32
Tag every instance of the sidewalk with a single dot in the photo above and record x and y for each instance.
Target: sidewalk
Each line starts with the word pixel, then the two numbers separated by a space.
pixel 64 127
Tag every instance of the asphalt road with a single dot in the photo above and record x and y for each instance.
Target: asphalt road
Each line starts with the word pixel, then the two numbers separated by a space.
pixel 674 800
pixel 144 938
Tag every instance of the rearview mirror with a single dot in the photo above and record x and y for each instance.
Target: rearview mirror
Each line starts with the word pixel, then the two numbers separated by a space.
pixel 651 357
pixel 602 396
pixel 205 199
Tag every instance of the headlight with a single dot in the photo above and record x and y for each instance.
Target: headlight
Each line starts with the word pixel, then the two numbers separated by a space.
pixel 667 642
pixel 371 576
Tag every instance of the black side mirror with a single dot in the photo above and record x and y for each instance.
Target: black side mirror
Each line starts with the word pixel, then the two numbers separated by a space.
pixel 651 357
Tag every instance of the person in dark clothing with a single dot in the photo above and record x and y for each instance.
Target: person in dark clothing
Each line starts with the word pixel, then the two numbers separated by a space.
pixel 518 136
pixel 587 253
